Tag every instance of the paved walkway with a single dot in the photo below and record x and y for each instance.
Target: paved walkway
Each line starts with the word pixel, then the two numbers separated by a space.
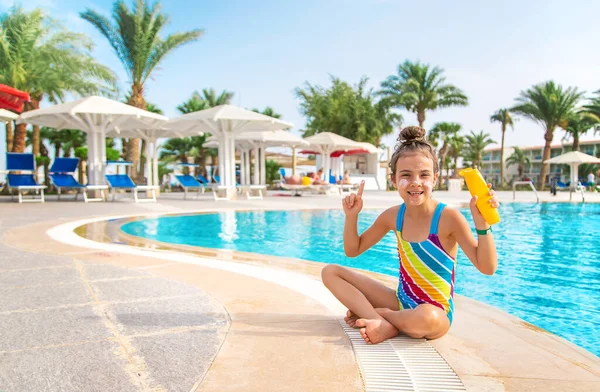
pixel 75 319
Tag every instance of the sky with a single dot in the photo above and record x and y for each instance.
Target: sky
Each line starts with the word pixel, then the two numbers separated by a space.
pixel 263 50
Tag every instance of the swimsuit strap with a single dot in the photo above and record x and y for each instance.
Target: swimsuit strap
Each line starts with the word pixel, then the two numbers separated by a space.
pixel 400 218
pixel 436 218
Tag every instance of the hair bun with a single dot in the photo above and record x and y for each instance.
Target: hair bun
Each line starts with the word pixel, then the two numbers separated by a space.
pixel 412 134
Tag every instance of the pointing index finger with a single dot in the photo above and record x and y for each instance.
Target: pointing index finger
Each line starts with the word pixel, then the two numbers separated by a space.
pixel 361 188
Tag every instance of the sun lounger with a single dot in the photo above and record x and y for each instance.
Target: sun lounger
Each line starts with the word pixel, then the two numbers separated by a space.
pixel 189 182
pixel 123 181
pixel 61 174
pixel 23 182
pixel 253 191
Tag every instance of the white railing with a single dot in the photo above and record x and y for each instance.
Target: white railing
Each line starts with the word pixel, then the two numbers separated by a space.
pixel 579 188
pixel 524 183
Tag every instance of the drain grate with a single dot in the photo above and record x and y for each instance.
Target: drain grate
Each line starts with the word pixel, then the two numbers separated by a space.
pixel 402 364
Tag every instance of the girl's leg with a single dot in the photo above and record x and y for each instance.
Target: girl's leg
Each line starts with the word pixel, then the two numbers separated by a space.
pixel 358 292
pixel 425 321
pixel 361 295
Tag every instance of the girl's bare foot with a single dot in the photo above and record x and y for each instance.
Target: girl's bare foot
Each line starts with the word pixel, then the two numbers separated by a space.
pixel 350 319
pixel 376 331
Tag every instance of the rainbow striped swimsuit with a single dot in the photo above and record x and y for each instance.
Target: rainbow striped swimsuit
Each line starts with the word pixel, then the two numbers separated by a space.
pixel 426 269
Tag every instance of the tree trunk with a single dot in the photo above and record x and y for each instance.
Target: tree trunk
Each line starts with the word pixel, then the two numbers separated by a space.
pixel 57 147
pixel 202 168
pixel 133 146
pixel 124 144
pixel 80 171
pixel 421 118
pixel 502 156
pixel 35 102
pixel 44 152
pixel 547 149
pixel 575 141
pixel 19 139
pixel 143 161
pixel 46 176
pixel 9 136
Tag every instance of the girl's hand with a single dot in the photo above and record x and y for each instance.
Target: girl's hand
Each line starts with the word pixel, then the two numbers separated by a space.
pixel 478 219
pixel 353 203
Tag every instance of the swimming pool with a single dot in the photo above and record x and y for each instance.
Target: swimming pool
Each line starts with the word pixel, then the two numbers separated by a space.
pixel 549 255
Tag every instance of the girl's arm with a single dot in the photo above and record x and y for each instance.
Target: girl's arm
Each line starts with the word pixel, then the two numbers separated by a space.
pixel 482 252
pixel 355 245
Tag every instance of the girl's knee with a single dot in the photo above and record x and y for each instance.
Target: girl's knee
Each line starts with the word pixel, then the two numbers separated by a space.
pixel 330 271
pixel 431 321
pixel 431 315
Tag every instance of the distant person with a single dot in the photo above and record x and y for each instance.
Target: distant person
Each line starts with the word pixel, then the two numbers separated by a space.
pixel 293 180
pixel 428 235
pixel 316 178
pixel 591 180
pixel 346 179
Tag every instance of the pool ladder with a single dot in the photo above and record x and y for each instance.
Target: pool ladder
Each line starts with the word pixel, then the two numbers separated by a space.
pixel 530 183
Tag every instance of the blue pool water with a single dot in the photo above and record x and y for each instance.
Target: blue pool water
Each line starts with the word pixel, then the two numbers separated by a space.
pixel 549 256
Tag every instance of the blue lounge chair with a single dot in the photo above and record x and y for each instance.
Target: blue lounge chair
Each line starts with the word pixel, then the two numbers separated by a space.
pixel 123 181
pixel 561 185
pixel 61 174
pixel 23 182
pixel 189 182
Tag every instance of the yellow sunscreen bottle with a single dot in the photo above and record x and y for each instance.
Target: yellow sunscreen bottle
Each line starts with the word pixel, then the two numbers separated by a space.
pixel 478 187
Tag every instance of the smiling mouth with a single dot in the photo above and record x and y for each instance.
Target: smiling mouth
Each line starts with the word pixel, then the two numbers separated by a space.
pixel 415 193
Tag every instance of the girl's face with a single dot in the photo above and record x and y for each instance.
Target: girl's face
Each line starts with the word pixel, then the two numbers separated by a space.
pixel 414 178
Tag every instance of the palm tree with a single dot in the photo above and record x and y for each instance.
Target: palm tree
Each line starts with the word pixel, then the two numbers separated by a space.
pixel 39 56
pixel 135 37
pixel 549 105
pixel 72 139
pixel 54 138
pixel 194 104
pixel 268 112
pixel 578 124
pixel 456 144
pixel 518 158
pixel 177 147
pixel 593 107
pixel 212 99
pixel 418 87
pixel 9 135
pixel 505 119
pixel 443 131
pixel 475 146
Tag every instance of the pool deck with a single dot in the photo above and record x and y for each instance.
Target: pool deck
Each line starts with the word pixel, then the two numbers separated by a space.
pixel 84 318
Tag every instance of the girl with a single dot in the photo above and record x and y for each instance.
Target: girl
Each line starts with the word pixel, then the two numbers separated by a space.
pixel 428 237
